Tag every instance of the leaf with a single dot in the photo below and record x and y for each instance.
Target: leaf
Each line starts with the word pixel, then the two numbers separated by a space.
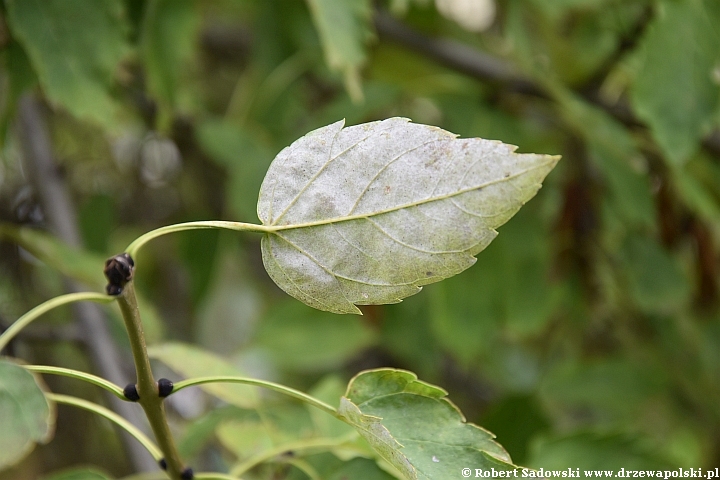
pixel 249 437
pixel 79 474
pixel 195 362
pixel 245 158
pixel 509 285
pixel 168 37
pixel 26 416
pixel 368 214
pixel 516 419
pixel 613 151
pixel 299 338
pixel 656 281
pixel 580 393
pixel 590 450
pixel 80 265
pixel 414 427
pixel 344 26
pixel 75 47
pixel 675 92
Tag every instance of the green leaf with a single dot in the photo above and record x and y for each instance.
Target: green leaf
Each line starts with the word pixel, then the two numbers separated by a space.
pixel 79 474
pixel 656 281
pixel 199 432
pixel 515 420
pixel 20 77
pixel 168 38
pixel 344 27
pixel 192 361
pixel 675 92
pixel 579 393
pixel 612 149
pixel 414 427
pixel 329 390
pixel 75 47
pixel 83 266
pixel 245 158
pixel 509 285
pixel 26 416
pixel 590 450
pixel 300 338
pixel 368 214
pixel 248 437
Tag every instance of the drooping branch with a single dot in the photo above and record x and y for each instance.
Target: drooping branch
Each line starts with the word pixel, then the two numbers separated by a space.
pixel 488 68
pixel 62 219
pixel 457 56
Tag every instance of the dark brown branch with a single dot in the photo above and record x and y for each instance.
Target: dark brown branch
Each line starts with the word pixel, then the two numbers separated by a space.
pixel 457 56
pixel 60 216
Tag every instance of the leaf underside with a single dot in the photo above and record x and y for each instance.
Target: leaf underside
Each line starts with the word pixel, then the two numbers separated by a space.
pixel 368 214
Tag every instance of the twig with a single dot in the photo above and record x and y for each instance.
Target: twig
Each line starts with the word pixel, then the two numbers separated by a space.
pixel 457 56
pixel 60 215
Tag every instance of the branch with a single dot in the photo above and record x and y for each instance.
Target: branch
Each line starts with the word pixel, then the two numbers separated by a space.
pixel 147 389
pixel 488 68
pixel 60 215
pixel 457 56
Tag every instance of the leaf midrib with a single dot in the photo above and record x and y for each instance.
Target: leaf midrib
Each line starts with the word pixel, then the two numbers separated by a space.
pixel 348 218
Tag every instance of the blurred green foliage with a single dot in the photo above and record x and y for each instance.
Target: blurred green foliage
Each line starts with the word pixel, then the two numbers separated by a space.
pixel 588 333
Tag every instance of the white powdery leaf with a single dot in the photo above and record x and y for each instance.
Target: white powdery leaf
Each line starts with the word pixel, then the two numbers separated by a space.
pixel 370 213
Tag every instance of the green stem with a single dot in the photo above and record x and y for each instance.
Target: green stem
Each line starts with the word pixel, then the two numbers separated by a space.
pixel 110 415
pixel 26 319
pixel 181 227
pixel 150 401
pixel 304 397
pixel 67 372
pixel 313 443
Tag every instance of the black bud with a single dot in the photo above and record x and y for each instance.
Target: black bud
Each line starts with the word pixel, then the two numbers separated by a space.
pixel 165 387
pixel 118 271
pixel 131 393
pixel 187 474
pixel 163 464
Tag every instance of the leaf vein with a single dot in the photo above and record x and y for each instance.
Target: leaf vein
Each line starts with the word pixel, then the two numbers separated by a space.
pixel 385 167
pixel 324 166
pixel 291 280
pixel 407 245
pixel 344 277
pixel 326 221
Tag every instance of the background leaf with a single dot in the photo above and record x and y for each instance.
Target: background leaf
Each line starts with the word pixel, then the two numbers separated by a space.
pixel 169 35
pixel 593 451
pixel 343 27
pixel 419 205
pixel 75 48
pixel 79 474
pixel 675 92
pixel 191 361
pixel 26 416
pixel 298 338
